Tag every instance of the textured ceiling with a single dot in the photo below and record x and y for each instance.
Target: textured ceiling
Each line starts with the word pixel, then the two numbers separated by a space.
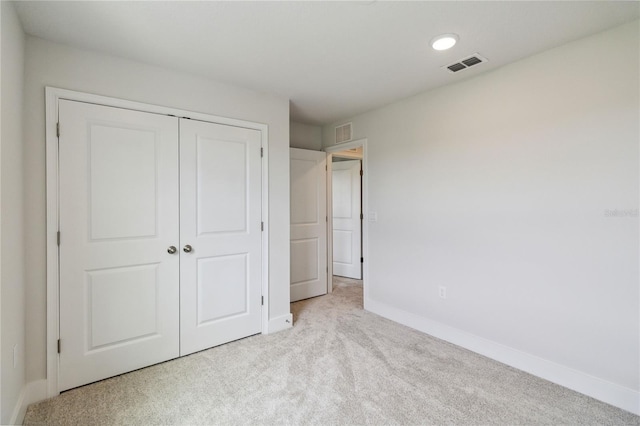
pixel 331 59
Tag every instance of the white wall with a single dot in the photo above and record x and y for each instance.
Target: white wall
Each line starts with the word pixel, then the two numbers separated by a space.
pixel 497 188
pixel 305 136
pixel 51 64
pixel 12 263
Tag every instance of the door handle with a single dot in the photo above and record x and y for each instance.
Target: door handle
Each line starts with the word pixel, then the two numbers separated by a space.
pixel 172 250
pixel 187 248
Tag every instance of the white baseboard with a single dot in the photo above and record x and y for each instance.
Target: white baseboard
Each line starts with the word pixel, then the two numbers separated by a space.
pixel 20 409
pixel 611 393
pixel 32 392
pixel 280 323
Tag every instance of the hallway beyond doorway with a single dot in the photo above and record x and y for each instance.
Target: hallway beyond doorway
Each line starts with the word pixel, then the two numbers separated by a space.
pixel 339 281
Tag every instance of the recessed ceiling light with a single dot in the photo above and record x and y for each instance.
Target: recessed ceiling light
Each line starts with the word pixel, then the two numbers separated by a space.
pixel 444 41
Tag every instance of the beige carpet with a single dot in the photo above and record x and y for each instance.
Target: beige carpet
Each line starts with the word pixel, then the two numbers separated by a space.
pixel 338 365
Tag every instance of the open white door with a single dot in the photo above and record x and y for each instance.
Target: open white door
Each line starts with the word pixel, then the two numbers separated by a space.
pixel 347 246
pixel 220 234
pixel 308 224
pixel 118 216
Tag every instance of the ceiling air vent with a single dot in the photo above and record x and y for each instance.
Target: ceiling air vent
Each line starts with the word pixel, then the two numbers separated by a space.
pixel 343 133
pixel 465 63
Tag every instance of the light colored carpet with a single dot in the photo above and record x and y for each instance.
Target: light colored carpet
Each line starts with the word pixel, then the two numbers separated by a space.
pixel 339 281
pixel 338 365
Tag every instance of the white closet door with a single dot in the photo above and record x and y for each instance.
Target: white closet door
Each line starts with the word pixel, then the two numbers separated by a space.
pixel 346 184
pixel 308 223
pixel 220 220
pixel 118 176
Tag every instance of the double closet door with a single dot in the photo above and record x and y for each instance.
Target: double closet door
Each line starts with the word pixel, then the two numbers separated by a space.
pixel 160 238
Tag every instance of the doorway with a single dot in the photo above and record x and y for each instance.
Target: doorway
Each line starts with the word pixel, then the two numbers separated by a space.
pixel 347 215
pixel 347 234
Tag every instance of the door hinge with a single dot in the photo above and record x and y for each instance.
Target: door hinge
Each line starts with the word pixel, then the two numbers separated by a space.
pixel 326 219
pixel 58 345
pixel 362 260
pixel 361 172
pixel 361 216
pixel 262 226
pixel 261 152
pixel 58 238
pixel 262 300
pixel 58 129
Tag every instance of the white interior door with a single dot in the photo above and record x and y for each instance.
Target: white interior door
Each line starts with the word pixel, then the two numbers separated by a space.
pixel 347 248
pixel 118 178
pixel 220 234
pixel 308 224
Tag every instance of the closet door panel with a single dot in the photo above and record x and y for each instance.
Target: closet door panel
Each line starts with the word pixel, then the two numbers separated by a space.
pixel 118 177
pixel 220 222
pixel 221 175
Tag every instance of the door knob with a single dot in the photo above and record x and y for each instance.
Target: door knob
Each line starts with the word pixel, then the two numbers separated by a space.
pixel 172 250
pixel 187 248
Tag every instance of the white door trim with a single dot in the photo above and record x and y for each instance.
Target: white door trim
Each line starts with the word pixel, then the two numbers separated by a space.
pixel 52 96
pixel 365 211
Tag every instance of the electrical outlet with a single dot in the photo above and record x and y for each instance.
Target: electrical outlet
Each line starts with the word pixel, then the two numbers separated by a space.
pixel 15 355
pixel 442 291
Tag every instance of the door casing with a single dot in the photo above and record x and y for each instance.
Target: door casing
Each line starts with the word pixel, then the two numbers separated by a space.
pixel 52 96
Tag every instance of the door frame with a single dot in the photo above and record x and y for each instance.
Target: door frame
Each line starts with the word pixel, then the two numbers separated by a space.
pixel 365 211
pixel 52 97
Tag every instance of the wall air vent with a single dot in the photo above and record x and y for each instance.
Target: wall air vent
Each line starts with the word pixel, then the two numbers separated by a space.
pixel 343 133
pixel 465 63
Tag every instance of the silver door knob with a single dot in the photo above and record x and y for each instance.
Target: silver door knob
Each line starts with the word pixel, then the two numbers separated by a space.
pixel 172 250
pixel 187 248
